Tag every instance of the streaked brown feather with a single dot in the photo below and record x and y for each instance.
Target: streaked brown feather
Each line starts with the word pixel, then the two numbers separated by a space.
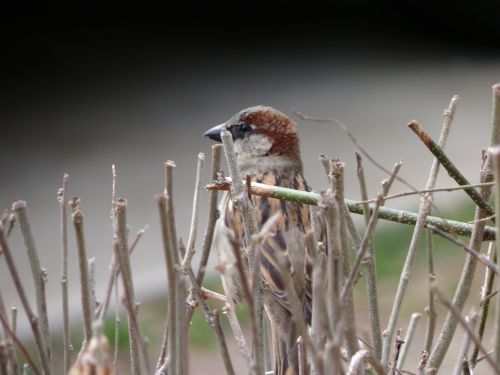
pixel 275 241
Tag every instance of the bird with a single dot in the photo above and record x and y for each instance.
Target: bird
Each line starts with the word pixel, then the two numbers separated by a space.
pixel 267 148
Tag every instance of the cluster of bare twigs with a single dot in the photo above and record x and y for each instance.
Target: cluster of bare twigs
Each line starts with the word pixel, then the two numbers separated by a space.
pixel 333 343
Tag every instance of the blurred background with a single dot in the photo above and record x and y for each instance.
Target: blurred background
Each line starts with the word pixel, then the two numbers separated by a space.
pixel 135 85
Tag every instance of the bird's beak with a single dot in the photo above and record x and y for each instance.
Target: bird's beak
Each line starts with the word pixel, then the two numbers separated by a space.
pixel 214 133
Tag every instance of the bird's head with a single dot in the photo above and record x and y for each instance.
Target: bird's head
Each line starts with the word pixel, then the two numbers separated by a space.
pixel 265 139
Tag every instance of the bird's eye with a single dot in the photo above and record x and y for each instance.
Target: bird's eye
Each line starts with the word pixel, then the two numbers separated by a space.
pixel 241 130
pixel 245 128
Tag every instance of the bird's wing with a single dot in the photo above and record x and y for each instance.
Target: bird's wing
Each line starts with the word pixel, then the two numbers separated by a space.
pixel 284 251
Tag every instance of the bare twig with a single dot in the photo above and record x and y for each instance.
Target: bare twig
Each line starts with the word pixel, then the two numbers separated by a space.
pixel 62 197
pixel 302 354
pixel 319 322
pixel 213 215
pixel 185 266
pixel 18 342
pixel 38 272
pixel 415 317
pixel 337 176
pixel 212 318
pixel 77 218
pixel 369 258
pixel 445 301
pixel 238 334
pixel 186 262
pixel 240 198
pixel 424 210
pixel 384 213
pixel 450 167
pixel 94 303
pixel 480 257
pixel 397 348
pixel 180 293
pixel 431 310
pixel 370 230
pixel 32 318
pixel 489 277
pixel 13 355
pixel 172 282
pixel 117 328
pixel 496 161
pixel 126 274
pixel 353 139
pixel 462 357
pixel 113 274
pixel 464 285
pixel 335 313
pixel 226 359
pixel 122 254
pixel 435 190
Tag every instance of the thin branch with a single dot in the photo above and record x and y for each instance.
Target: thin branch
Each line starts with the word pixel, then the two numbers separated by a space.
pixel 212 318
pixel 486 290
pixel 464 285
pixel 431 309
pixel 370 267
pixel 445 301
pixel 117 327
pixel 435 190
pixel 213 215
pixel 62 197
pixel 358 145
pixel 38 272
pixel 410 332
pixel 32 318
pixel 186 262
pixel 77 218
pixel 169 343
pixel 113 274
pixel 240 198
pixel 13 354
pixel 180 292
pixel 238 334
pixel 302 354
pixel 397 346
pixel 18 342
pixel 337 176
pixel 496 162
pixel 122 256
pixel 462 357
pixel 384 213
pixel 452 170
pixel 367 238
pixel 480 257
pixel 335 307
pixel 94 303
pixel 423 212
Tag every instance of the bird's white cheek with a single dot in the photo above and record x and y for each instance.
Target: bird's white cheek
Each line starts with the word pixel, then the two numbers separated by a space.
pixel 255 145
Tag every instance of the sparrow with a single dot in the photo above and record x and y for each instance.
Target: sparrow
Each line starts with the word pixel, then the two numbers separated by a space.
pixel 267 147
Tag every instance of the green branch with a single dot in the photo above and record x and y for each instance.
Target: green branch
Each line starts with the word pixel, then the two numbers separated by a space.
pixel 385 213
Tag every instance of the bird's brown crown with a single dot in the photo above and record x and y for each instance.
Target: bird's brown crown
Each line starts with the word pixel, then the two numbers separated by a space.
pixel 273 124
